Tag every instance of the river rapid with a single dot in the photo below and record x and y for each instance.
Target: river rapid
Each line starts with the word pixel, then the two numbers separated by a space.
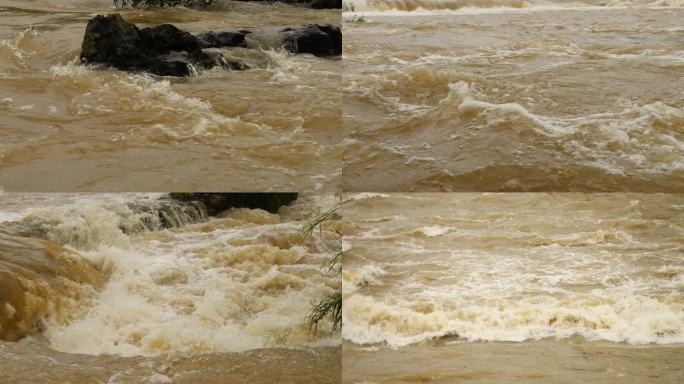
pixel 512 95
pixel 274 127
pixel 500 288
pixel 138 288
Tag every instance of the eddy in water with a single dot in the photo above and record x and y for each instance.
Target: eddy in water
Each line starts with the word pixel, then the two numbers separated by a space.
pixel 258 103
pixel 140 288
pixel 508 95
pixel 513 288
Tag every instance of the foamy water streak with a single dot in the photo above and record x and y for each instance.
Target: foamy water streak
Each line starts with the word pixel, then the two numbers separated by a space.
pixel 514 268
pixel 399 6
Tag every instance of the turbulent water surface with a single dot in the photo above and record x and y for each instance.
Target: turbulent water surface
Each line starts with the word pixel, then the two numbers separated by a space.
pixel 275 127
pixel 513 288
pixel 137 288
pixel 513 95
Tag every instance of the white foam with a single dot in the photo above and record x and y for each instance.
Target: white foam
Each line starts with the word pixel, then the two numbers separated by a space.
pixel 515 268
pixel 633 319
pixel 434 230
pixel 356 278
pixel 239 282
pixel 352 8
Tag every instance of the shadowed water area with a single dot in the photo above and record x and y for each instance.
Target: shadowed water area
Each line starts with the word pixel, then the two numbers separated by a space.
pixel 137 288
pixel 514 96
pixel 521 288
pixel 68 127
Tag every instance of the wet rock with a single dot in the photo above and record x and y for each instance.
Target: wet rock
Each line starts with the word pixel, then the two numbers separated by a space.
pixel 162 50
pixel 168 51
pixel 323 4
pixel 114 41
pixel 166 38
pixel 216 203
pixel 223 39
pixel 319 40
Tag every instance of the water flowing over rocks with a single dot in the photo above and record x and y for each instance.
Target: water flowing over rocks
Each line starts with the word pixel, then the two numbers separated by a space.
pixel 165 50
pixel 315 39
pixel 41 281
pixel 162 50
pixel 216 203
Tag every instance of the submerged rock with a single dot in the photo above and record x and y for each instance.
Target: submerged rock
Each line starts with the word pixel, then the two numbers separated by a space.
pixel 162 50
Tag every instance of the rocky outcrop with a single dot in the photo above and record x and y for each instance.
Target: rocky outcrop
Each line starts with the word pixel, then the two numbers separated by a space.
pixel 168 51
pixel 315 39
pixel 223 39
pixel 319 40
pixel 216 203
pixel 162 50
pixel 325 4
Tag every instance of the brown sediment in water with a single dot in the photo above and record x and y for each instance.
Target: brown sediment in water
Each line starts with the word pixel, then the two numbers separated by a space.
pixel 31 363
pixel 513 288
pixel 557 361
pixel 41 281
pixel 215 301
pixel 574 99
pixel 276 127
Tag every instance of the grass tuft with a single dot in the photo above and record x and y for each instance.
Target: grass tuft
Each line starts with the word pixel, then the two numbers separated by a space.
pixel 330 306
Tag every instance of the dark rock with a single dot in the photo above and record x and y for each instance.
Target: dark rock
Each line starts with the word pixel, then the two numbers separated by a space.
pixel 162 50
pixel 323 4
pixel 319 40
pixel 114 41
pixel 216 203
pixel 166 37
pixel 222 39
pixel 168 51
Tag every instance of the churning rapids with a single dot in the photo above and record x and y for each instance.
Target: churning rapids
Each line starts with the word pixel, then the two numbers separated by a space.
pixel 275 127
pixel 138 288
pixel 508 288
pixel 513 95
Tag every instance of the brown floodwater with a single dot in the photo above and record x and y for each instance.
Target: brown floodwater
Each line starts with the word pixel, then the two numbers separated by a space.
pixel 93 288
pixel 509 287
pixel 29 362
pixel 67 127
pixel 545 361
pixel 498 95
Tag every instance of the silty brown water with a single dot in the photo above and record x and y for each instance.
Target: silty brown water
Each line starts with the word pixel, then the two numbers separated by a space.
pixel 68 127
pixel 523 288
pixel 513 96
pixel 91 291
